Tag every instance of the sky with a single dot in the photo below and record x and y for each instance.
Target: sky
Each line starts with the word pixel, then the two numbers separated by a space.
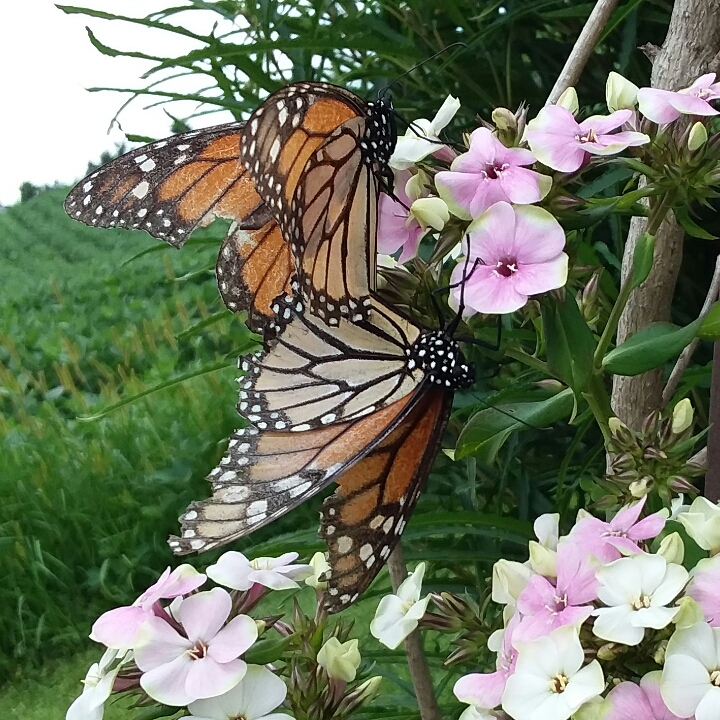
pixel 50 125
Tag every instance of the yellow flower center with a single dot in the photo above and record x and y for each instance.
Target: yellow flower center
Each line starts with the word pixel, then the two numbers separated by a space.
pixel 559 683
pixel 641 602
pixel 715 678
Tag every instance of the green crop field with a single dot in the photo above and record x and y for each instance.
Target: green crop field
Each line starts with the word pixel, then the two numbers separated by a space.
pixel 87 506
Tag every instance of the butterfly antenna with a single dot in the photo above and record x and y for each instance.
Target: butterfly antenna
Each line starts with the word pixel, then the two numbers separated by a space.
pixel 463 280
pixel 384 90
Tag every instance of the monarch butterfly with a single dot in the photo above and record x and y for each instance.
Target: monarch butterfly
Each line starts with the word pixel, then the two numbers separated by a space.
pixel 260 175
pixel 346 389
pixel 363 404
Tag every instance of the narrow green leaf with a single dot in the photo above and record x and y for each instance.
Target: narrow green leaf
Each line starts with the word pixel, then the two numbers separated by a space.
pixel 649 348
pixel 710 327
pixel 205 322
pixel 569 342
pixel 690 226
pixel 487 430
pixel 157 388
pixel 642 259
pixel 267 650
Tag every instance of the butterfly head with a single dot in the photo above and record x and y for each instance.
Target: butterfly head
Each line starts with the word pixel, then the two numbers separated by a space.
pixel 440 357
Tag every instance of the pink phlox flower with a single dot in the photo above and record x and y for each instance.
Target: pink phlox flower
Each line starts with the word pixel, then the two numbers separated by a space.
pixel 397 227
pixel 704 588
pixel 488 173
pixel 201 663
pixel 628 701
pixel 485 690
pixel 609 541
pixel 665 106
pixel 118 628
pixel 559 141
pixel 545 605
pixel 514 252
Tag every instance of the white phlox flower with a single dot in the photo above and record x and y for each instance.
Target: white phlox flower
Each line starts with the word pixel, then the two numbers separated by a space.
pixel 398 615
pixel 97 686
pixel 702 523
pixel 253 698
pixel 690 683
pixel 340 660
pixel 235 571
pixel 550 682
pixel 320 565
pixel 421 138
pixel 637 590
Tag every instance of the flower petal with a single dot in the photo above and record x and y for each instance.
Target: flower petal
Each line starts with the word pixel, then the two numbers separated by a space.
pixel 233 640
pixel 207 678
pixel 166 683
pixel 272 579
pixel 603 124
pixel 445 114
pixel 492 235
pixel 614 624
pixel 490 293
pixel 158 644
pixel 482 689
pixel 709 707
pixel 541 277
pixel 231 570
pixel 203 615
pixel 521 186
pixel 539 237
pixel 685 682
pixel 118 628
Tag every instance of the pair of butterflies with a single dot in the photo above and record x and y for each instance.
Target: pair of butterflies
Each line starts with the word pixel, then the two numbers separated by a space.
pixel 345 389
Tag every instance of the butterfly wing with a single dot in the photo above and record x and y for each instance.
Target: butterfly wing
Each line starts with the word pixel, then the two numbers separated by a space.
pixel 315 375
pixel 170 187
pixel 264 474
pixel 365 517
pixel 316 151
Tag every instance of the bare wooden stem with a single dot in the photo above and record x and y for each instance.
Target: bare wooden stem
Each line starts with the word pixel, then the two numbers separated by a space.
pixel 686 356
pixel 583 48
pixel 690 47
pixel 417 662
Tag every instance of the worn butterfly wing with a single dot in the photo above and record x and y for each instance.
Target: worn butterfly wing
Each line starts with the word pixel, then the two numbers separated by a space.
pixel 365 517
pixel 317 153
pixel 264 474
pixel 170 187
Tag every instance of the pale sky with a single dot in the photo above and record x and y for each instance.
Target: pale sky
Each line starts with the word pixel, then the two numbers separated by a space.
pixel 50 126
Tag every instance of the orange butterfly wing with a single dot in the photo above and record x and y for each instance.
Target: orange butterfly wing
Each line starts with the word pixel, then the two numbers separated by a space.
pixel 170 187
pixel 365 517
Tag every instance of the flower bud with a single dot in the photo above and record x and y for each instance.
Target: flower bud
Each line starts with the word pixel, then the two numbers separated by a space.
pixel 362 695
pixel 651 424
pixel 550 384
pixel 509 579
pixel 702 523
pixel 569 100
pixel 430 212
pixel 690 613
pixel 609 651
pixel 620 431
pixel 672 548
pixel 620 93
pixel 261 625
pixel 340 660
pixel 682 417
pixel 640 488
pixel 659 654
pixel 504 120
pixel 622 462
pixel 698 137
pixel 542 560
pixel 653 453
pixel 319 565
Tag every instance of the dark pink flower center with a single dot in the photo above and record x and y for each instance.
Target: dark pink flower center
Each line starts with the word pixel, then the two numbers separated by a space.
pixel 560 603
pixel 197 651
pixel 493 172
pixel 506 267
pixel 589 136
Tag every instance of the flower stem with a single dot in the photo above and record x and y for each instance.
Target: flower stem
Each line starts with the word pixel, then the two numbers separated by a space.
pixel 599 403
pixel 657 215
pixel 529 360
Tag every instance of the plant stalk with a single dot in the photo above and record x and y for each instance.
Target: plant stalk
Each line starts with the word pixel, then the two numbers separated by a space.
pixel 417 662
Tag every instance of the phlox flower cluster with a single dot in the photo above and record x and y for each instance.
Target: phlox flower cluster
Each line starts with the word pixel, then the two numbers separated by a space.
pixel 607 590
pixel 504 189
pixel 182 645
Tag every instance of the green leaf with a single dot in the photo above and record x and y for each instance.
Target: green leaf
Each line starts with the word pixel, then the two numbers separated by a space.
pixel 569 342
pixel 160 386
pixel 649 348
pixel 642 259
pixel 710 326
pixel 690 226
pixel 487 430
pixel 267 650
